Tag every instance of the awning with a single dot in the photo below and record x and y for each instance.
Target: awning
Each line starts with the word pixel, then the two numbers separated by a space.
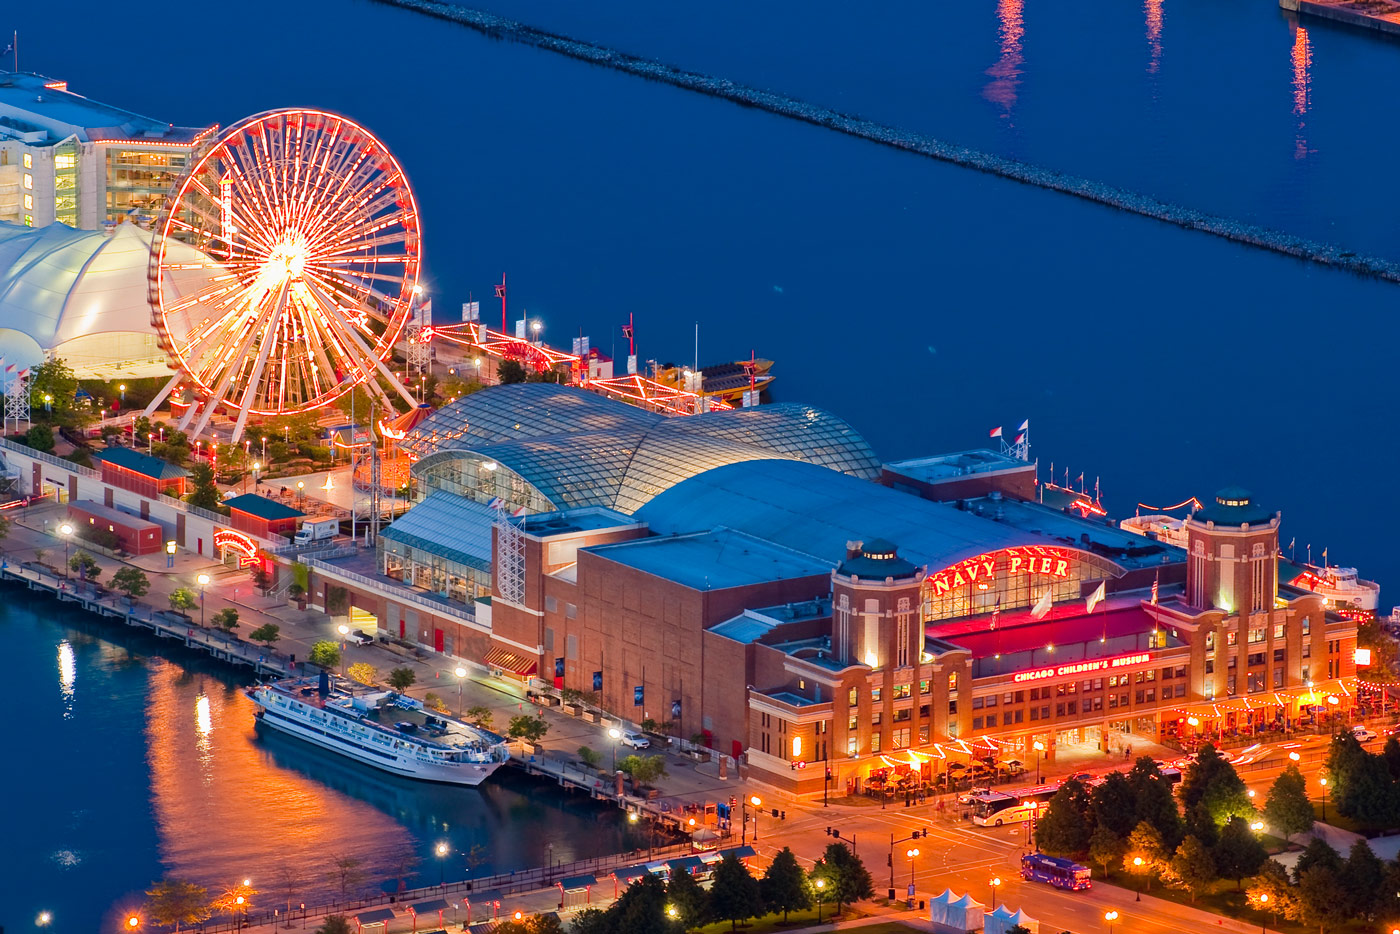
pixel 430 906
pixel 484 897
pixel 1301 694
pixel 377 916
pixel 686 864
pixel 739 852
pixel 577 883
pixel 630 873
pixel 500 658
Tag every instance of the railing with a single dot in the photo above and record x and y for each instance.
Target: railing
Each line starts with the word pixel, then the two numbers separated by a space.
pixel 49 459
pixel 392 590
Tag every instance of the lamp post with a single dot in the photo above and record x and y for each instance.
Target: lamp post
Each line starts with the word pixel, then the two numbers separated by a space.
pixel 821 887
pixel 301 492
pixel 150 442
pixel 1110 917
pixel 344 632
pixel 66 531
pixel 203 582
pixel 996 883
pixel 133 922
pixel 757 803
pixel 441 850
pixel 122 390
pixel 1264 905
pixel 1039 748
pixel 44 919
pixel 614 734
pixel 1137 871
pixel 461 674
pixel 1323 783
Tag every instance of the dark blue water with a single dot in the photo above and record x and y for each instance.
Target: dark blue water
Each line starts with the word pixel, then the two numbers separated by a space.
pixel 125 766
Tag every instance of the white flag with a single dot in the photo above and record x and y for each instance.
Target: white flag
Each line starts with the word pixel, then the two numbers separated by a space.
pixel 1024 425
pixel 1042 606
pixel 1097 595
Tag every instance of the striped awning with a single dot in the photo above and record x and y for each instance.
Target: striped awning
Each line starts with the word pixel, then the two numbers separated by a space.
pixel 507 661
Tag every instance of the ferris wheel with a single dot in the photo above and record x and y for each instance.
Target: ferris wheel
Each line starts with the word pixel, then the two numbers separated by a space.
pixel 284 266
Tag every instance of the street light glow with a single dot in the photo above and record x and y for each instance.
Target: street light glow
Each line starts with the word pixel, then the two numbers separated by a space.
pixel 1294 756
pixel 344 629
pixel 1110 916
pixel 133 922
pixel 615 733
pixel 460 672
pixel 66 529
pixel 756 801
pixel 442 849
pixel 203 580
pixel 44 918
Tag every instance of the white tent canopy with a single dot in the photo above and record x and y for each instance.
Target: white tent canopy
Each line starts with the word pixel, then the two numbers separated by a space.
pixel 960 913
pixel 1004 919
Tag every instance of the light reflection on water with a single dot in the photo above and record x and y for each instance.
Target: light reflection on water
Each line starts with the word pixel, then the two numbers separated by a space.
pixel 1006 73
pixel 1302 87
pixel 1153 9
pixel 67 676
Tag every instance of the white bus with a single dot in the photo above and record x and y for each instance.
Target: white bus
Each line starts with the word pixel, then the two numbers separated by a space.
pixel 997 808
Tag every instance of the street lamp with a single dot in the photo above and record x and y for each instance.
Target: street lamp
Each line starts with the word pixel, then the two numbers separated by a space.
pixel 203 582
pixel 1137 871
pixel 441 850
pixel 821 887
pixel 122 389
pixel 344 632
pixel 1323 783
pixel 616 735
pixel 301 492
pixel 1264 905
pixel 1110 917
pixel 150 442
pixel 1294 756
pixel 66 531
pixel 1039 748
pixel 757 803
pixel 996 883
pixel 45 919
pixel 133 922
pixel 461 674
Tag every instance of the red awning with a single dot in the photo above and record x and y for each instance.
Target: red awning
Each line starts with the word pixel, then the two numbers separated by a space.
pixel 500 658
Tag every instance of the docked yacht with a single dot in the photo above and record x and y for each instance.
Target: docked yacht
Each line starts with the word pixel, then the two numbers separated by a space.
pixel 387 730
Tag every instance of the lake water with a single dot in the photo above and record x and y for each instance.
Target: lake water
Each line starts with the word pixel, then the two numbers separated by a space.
pixel 128 764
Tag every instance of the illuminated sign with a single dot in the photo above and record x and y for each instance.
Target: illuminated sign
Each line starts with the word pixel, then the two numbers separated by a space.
pixel 237 542
pixel 1082 668
pixel 1036 559
pixel 1363 657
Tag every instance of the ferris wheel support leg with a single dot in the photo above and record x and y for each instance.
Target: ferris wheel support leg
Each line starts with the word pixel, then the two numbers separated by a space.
pixel 161 396
pixel 211 403
pixel 250 391
pixel 367 355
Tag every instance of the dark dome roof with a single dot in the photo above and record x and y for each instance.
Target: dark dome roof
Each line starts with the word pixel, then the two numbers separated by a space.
pixel 878 559
pixel 1233 506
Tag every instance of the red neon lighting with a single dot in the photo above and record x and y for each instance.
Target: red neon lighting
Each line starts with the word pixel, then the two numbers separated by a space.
pixel 1079 668
pixel 1031 559
pixel 237 542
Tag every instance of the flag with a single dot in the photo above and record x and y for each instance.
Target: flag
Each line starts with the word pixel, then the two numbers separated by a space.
pixel 8 49
pixel 1154 590
pixel 995 432
pixel 501 290
pixel 495 503
pixel 627 331
pixel 1097 595
pixel 1042 606
pixel 518 511
pixel 1021 437
pixel 1025 425
pixel 996 612
pixel 1292 542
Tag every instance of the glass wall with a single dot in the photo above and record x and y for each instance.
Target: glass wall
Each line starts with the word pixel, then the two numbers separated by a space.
pixel 138 180
pixel 433 573
pixel 65 183
pixel 1010 579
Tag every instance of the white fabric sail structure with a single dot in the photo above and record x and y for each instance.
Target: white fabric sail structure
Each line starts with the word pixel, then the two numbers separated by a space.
pixel 1004 919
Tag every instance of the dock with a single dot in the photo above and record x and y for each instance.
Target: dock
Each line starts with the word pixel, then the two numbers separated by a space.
pixel 1379 15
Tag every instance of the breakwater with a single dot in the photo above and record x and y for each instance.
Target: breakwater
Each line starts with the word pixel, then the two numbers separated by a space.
pixel 501 28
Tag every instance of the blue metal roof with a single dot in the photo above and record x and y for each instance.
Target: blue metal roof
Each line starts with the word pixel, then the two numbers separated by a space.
pixel 454 527
pixel 144 464
pixel 817 511
pixel 714 560
pixel 262 507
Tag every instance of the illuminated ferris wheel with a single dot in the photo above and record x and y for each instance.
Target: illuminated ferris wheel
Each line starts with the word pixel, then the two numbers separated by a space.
pixel 284 266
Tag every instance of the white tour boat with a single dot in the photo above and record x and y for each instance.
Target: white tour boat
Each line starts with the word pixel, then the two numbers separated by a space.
pixel 387 730
pixel 1343 587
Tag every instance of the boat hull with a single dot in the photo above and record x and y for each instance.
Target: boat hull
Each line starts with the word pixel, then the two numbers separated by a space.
pixel 396 763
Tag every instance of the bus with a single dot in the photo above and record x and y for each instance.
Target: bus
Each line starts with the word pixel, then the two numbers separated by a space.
pixel 996 808
pixel 1061 873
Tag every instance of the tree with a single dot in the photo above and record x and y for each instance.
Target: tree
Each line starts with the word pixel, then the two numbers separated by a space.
pixel 347 873
pixel 335 924
pixel 182 598
pixel 1317 853
pixel 1273 881
pixel 1192 867
pixel 479 715
pixel 1287 809
pixel 509 371
pixel 590 757
pixel 267 634
pixel 527 728
pixel 324 654
pixel 641 909
pixel 226 619
pixel 1154 801
pixel 363 672
pixel 1362 878
pixel 784 885
pixel 237 901
pixel 54 379
pixel 434 702
pixel 1145 844
pixel 1318 901
pixel 734 894
pixel 590 921
pixel 262 578
pixel 400 679
pixel 1370 634
pixel 85 565
pixel 205 492
pixel 131 581
pixel 1112 804
pixel 1239 852
pixel 1105 847
pixel 289 881
pixel 40 438
pixel 404 859
pixel 643 770
pixel 1211 782
pixel 846 877
pixel 1391 755
pixel 174 901
pixel 692 903
pixel 1064 828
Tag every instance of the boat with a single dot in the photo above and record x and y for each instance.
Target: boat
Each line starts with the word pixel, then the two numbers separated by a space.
pixel 1343 587
pixel 384 729
pixel 726 381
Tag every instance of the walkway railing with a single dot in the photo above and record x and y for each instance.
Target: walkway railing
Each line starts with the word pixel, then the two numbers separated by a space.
pixel 392 590
pixel 50 459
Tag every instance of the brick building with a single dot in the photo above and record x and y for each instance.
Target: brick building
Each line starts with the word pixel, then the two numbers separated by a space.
pixel 141 473
pixel 258 515
pixel 136 536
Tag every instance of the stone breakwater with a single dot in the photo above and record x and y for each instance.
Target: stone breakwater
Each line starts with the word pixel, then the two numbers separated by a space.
pixel 498 27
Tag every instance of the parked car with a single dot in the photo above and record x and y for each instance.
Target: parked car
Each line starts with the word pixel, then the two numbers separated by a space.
pixel 1362 733
pixel 1084 777
pixel 635 740
pixel 360 637
pixel 967 796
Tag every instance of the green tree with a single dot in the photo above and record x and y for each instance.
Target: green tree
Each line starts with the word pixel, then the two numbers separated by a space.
pixel 510 371
pixel 1391 754
pixel 335 924
pixel 1287 809
pixel 363 672
pixel 40 438
pixel 267 634
pixel 1113 805
pixel 262 578
pixel 784 885
pixel 205 492
pixel 4 528
pixel 734 894
pixel 1106 848
pixel 1370 634
pixel 692 903
pixel 324 654
pixel 174 901
pixel 131 581
pixel 590 757
pixel 54 379
pixel 182 598
pixel 1239 853
pixel 226 619
pixel 527 728
pixel 590 921
pixel 1273 881
pixel 85 565
pixel 1145 843
pixel 479 715
pixel 643 770
pixel 847 879
pixel 1192 867
pixel 401 679
pixel 1154 801
pixel 1317 853
pixel 641 909
pixel 1064 828
pixel 1318 900
pixel 1211 782
pixel 1362 878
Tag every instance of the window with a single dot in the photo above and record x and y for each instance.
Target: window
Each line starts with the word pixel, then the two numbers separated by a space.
pixel 923 711
pixel 1307 650
pixel 28 182
pixel 903 714
pixel 1278 630
pixel 977 703
pixel 875 718
pixel 977 723
pixel 1035 713
pixel 1278 655
pixel 1256 682
pixel 851 723
pixel 29 202
pixel 1020 716
pixel 1256 635
pixel 1231 637
pixel 1072 707
pixel 903 690
pixel 901 738
pixel 1112 701
pixel 855 697
pixel 1210 640
pixel 1138 697
pixel 952 682
pixel 570 611
pixel 551 605
pixel 992 701
pixel 1210 666
pixel 852 745
pixel 1181 671
pixel 952 708
pixel 29 220
pixel 1151 695
pixel 1307 625
pixel 1278 677
pixel 923 735
pixel 875 695
pixel 924 687
pixel 1306 673
pixel 1230 683
pixel 1181 690
pixel 28 161
pixel 1059 710
pixel 1256 658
